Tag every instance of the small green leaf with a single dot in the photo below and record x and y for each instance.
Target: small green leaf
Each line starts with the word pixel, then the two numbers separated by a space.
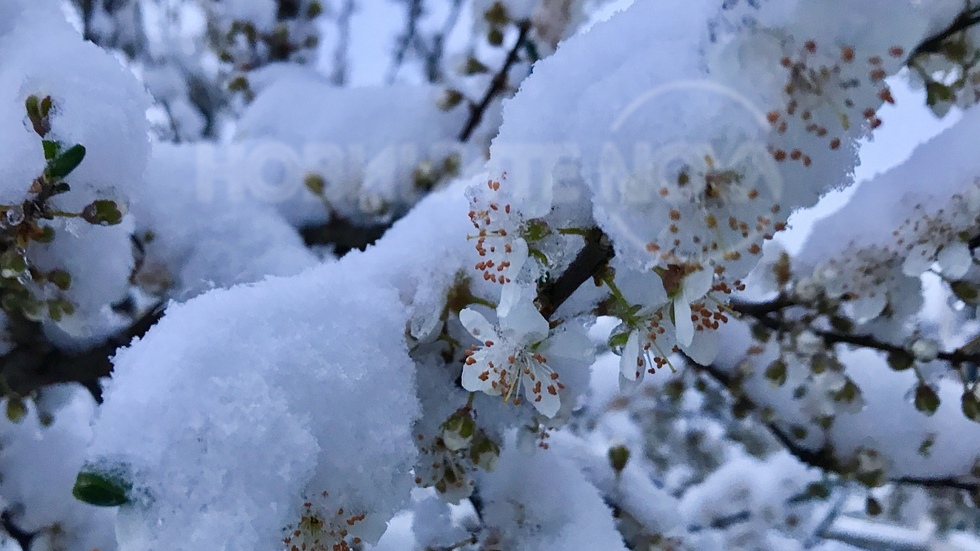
pixel 66 162
pixel 965 291
pixel 103 212
pixel 971 406
pixel 60 278
pixel 818 490
pixel 618 340
pixel 315 183
pixel 619 456
pixel 101 489
pixel 776 373
pixel 900 360
pixel 872 506
pixel 37 112
pixel 926 399
pixel 51 149
pixel 16 409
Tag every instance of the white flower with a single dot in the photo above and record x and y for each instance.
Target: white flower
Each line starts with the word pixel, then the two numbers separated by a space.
pixel 693 287
pixel 501 248
pixel 647 349
pixel 513 354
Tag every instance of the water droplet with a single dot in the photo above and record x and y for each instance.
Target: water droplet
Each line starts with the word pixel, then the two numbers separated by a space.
pixel 14 216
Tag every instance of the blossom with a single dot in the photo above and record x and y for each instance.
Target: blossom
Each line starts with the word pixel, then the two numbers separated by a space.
pixel 513 353
pixel 499 243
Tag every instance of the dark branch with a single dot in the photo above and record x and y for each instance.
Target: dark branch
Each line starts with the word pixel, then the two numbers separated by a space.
pixel 36 363
pixel 497 84
pixel 762 313
pixel 589 263
pixel 824 458
pixel 933 44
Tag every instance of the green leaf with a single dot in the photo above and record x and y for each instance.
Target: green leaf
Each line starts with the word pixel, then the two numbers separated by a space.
pixel 619 456
pixel 60 278
pixel 926 399
pixel 16 409
pixel 818 490
pixel 971 406
pixel 101 489
pixel 37 112
pixel 51 149
pixel 900 360
pixel 618 340
pixel 965 291
pixel 776 373
pixel 66 162
pixel 103 212
pixel 872 507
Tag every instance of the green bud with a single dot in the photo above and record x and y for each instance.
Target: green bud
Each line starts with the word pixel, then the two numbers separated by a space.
pixel 51 149
pixel 495 37
pixel 473 66
pixel 484 452
pixel 315 183
pixel 60 278
pixel 848 393
pixel 450 98
pixel 926 399
pixel 776 373
pixel 497 15
pixel 103 212
pixel 900 360
pixel 619 456
pixel 101 488
pixel 16 409
pixel 965 291
pixel 12 264
pixel 872 507
pixel 37 112
pixel 971 406
pixel 818 490
pixel 458 430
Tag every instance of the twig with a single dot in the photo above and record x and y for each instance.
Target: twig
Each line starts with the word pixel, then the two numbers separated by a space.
pixel 933 44
pixel 338 75
pixel 824 457
pixel 497 83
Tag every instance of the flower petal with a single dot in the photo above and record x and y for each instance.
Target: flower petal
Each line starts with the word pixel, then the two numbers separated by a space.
pixel 520 319
pixel 697 284
pixel 477 325
pixel 683 322
pixel 628 369
pixel 479 376
pixel 546 401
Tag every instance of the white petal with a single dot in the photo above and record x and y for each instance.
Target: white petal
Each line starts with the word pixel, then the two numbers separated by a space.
pixel 704 348
pixel 477 325
pixel 627 362
pixel 522 322
pixel 472 372
pixel 918 260
pixel 546 403
pixel 517 257
pixel 683 323
pixel 867 307
pixel 697 284
pixel 955 259
pixel 571 343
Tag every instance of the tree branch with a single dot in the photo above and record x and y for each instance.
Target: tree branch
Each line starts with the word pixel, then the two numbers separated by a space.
pixel 824 458
pixel 933 44
pixel 497 83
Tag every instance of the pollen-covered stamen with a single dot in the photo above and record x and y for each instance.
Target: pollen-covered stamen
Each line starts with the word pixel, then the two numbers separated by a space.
pixel 502 251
